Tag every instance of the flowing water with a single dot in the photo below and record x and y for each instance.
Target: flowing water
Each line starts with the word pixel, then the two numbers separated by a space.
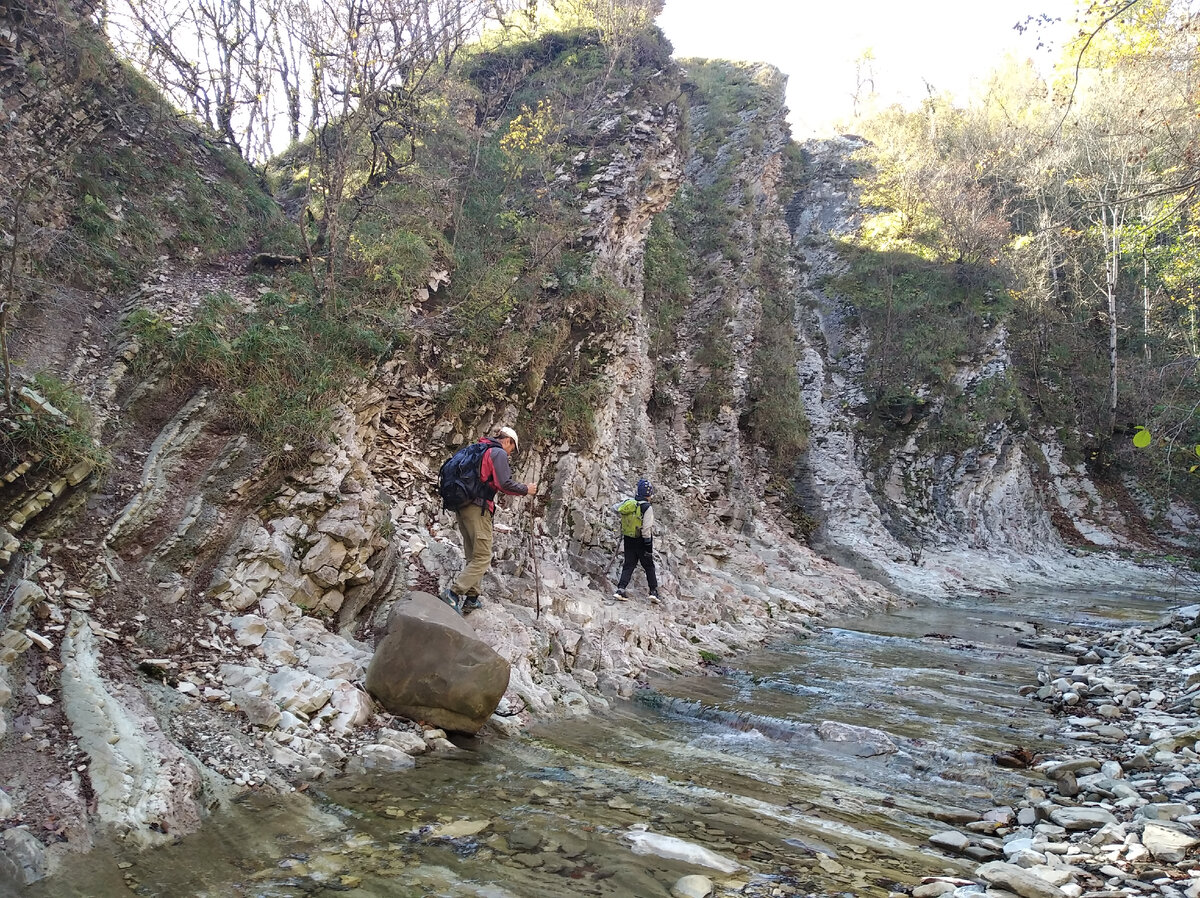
pixel 752 775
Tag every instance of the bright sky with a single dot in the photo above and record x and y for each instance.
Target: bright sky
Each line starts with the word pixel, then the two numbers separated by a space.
pixel 949 43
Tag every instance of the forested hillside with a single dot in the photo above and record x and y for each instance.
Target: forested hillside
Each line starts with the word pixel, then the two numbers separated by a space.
pixel 1065 212
pixel 452 180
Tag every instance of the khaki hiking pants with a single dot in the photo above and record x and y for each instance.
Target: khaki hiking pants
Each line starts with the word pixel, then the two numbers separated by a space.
pixel 475 525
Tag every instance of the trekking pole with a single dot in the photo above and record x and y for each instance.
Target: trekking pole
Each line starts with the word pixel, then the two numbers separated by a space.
pixel 669 570
pixel 537 579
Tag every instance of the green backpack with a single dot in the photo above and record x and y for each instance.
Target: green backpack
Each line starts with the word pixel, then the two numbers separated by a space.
pixel 631 516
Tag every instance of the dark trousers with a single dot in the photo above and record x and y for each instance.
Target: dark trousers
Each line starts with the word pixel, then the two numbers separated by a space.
pixel 638 550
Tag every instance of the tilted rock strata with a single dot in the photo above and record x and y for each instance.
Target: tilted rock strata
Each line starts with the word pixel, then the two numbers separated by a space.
pixel 210 629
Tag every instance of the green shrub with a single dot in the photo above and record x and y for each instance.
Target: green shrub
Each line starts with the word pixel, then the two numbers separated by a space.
pixel 578 415
pixel 666 289
pixel 775 417
pixel 59 442
pixel 923 317
pixel 137 199
pixel 399 259
pixel 282 367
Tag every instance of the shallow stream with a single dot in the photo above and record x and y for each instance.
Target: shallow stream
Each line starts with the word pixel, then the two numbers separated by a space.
pixel 752 775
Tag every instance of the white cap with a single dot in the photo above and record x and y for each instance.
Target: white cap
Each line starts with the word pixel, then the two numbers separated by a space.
pixel 511 434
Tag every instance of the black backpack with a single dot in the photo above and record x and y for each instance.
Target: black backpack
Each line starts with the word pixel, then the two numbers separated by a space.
pixel 459 479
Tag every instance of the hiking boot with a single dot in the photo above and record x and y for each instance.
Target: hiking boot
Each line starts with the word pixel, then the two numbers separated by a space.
pixel 451 598
pixel 653 598
pixel 470 603
pixel 620 596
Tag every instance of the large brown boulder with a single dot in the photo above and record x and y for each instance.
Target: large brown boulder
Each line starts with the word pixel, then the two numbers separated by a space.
pixel 430 666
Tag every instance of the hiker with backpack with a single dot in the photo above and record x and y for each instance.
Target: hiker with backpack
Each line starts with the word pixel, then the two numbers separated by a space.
pixel 637 535
pixel 468 483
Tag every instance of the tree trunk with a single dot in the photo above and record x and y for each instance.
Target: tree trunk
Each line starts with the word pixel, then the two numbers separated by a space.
pixel 8 301
pixel 1114 252
pixel 1146 308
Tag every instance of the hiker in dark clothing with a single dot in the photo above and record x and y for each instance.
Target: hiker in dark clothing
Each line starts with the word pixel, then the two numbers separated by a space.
pixel 637 535
pixel 475 518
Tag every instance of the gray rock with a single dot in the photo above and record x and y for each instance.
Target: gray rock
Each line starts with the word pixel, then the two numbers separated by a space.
pixel 1019 880
pixel 1067 784
pixel 249 629
pixel 260 711
pixel 980 853
pixel 1126 793
pixel 1174 783
pixel 999 816
pixel 862 741
pixel 524 839
pixel 1076 765
pixel 409 743
pixel 1109 834
pixel 1168 844
pixel 570 846
pixel 380 757
pixel 1081 818
pixel 296 690
pixel 951 840
pixel 934 889
pixel 692 887
pixel 955 816
pixel 22 856
pixel 1186 613
pixel 1014 846
pixel 1163 811
pixel 1027 859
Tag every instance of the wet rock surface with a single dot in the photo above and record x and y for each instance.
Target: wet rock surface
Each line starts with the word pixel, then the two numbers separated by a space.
pixel 722 777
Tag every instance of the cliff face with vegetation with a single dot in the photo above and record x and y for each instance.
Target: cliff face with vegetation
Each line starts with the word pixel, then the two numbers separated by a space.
pixel 222 445
pixel 926 508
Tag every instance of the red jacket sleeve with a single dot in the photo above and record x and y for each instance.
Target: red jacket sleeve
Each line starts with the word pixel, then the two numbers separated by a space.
pixel 497 473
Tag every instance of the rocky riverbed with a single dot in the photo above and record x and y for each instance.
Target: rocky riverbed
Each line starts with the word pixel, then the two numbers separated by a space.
pixel 1121 814
pixel 728 784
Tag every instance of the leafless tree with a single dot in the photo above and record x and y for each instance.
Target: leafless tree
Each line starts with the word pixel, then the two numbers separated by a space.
pixel 243 67
pixel 370 66
pixel 615 19
pixel 211 56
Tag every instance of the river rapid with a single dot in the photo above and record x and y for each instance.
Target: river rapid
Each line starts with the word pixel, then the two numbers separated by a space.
pixel 815 767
